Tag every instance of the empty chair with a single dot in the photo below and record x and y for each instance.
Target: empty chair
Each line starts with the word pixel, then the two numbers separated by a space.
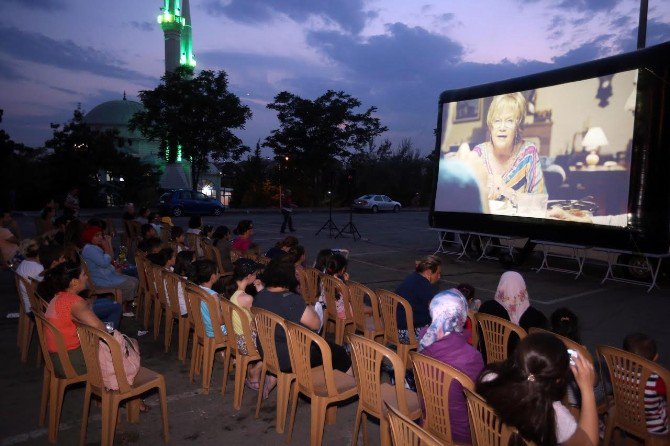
pixel 405 432
pixel 323 384
pixel 53 384
pixel 91 338
pixel 389 305
pixel 630 375
pixel 369 325
pixel 368 356
pixel 161 304
pixel 267 324
pixel 496 332
pixel 334 288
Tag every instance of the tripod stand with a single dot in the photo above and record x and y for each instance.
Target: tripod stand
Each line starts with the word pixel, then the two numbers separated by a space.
pixel 350 228
pixel 330 224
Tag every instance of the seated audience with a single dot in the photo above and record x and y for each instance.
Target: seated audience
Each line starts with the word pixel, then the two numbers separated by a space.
pixel 242 242
pixel 98 254
pixel 244 275
pixel 418 289
pixel 129 212
pixel 178 237
pixel 526 392
pixel 9 242
pixel 143 216
pixel 221 241
pixel 206 234
pixel 511 303
pixel 205 275
pixel 68 280
pixel 278 278
pixel 183 267
pixel 60 224
pixel 150 246
pixel 29 268
pixel 46 220
pixel 322 258
pixel 565 323
pixel 446 341
pixel 194 225
pixel 655 392
pixel 282 247
pixel 72 239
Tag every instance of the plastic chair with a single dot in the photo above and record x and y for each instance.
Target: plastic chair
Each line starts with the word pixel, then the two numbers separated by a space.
pixel 194 242
pixel 496 333
pixel 306 291
pixel 144 381
pixel 26 326
pixel 142 289
pixel 95 290
pixel 313 278
pixel 166 230
pixel 53 387
pixel 333 287
pixel 487 429
pixel 204 347
pixel 368 356
pixel 267 324
pixel 433 381
pixel 174 284
pixel 581 351
pixel 629 374
pixel 150 297
pixel 323 385
pixel 161 303
pixel 388 305
pixel 405 432
pixel 370 326
pixel 472 317
pixel 242 360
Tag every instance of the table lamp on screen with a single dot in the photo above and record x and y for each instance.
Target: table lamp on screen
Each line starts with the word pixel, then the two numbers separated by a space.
pixel 593 140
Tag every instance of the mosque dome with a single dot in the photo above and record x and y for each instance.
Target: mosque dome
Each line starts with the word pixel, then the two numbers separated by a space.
pixel 114 114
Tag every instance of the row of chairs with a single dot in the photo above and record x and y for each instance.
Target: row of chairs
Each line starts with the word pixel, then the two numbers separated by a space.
pixel 55 385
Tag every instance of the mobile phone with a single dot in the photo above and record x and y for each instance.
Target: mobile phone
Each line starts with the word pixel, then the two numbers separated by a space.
pixel 573 354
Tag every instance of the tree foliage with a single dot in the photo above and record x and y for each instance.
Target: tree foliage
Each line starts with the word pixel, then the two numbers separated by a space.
pixel 196 113
pixel 317 136
pixel 94 153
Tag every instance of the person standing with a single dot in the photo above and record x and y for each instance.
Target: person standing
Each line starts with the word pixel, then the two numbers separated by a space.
pixel 287 206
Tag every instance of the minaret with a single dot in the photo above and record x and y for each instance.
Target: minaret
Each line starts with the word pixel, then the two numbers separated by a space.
pixel 175 20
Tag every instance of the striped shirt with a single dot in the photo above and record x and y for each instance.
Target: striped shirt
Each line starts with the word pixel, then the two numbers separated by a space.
pixel 656 405
pixel 525 173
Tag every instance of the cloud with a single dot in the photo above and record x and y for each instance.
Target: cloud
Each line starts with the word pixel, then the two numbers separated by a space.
pixel 143 26
pixel 45 5
pixel 9 73
pixel 34 47
pixel 589 5
pixel 348 14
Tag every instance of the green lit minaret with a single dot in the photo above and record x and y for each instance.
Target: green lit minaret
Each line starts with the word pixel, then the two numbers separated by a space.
pixel 175 20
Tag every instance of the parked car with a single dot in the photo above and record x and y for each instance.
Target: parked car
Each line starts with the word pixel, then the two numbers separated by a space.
pixel 184 201
pixel 376 203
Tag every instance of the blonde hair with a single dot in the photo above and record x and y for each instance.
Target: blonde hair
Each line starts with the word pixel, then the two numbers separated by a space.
pixel 516 102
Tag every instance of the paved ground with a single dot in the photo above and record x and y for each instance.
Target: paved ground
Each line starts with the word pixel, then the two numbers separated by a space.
pixel 380 259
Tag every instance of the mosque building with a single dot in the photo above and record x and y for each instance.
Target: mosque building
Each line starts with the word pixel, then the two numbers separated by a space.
pixel 175 20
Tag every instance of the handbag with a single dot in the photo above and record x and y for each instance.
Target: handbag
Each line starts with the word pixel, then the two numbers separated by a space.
pixel 130 354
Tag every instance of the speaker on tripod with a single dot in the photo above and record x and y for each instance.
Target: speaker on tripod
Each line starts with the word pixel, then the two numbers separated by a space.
pixel 329 224
pixel 350 228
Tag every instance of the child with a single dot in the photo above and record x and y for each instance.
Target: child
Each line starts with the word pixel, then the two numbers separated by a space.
pixel 655 393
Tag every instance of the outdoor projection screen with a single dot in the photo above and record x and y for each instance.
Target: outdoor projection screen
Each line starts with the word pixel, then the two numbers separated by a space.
pixel 578 155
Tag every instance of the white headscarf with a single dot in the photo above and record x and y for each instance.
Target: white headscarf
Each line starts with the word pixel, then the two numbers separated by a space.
pixel 512 295
pixel 448 310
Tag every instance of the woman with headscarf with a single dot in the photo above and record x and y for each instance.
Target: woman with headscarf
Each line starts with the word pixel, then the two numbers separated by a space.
pixel 511 303
pixel 446 341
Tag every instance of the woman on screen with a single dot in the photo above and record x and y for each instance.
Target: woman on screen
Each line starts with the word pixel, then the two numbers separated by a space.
pixel 513 164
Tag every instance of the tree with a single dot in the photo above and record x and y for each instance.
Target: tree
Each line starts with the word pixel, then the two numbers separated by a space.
pixel 317 136
pixel 80 154
pixel 194 116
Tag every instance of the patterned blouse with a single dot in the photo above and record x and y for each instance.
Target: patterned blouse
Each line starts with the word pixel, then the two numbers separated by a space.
pixel 525 173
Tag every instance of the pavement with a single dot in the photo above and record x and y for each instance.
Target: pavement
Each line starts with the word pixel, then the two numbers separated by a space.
pixel 380 259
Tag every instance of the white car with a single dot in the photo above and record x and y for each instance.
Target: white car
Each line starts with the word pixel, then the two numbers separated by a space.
pixel 376 203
